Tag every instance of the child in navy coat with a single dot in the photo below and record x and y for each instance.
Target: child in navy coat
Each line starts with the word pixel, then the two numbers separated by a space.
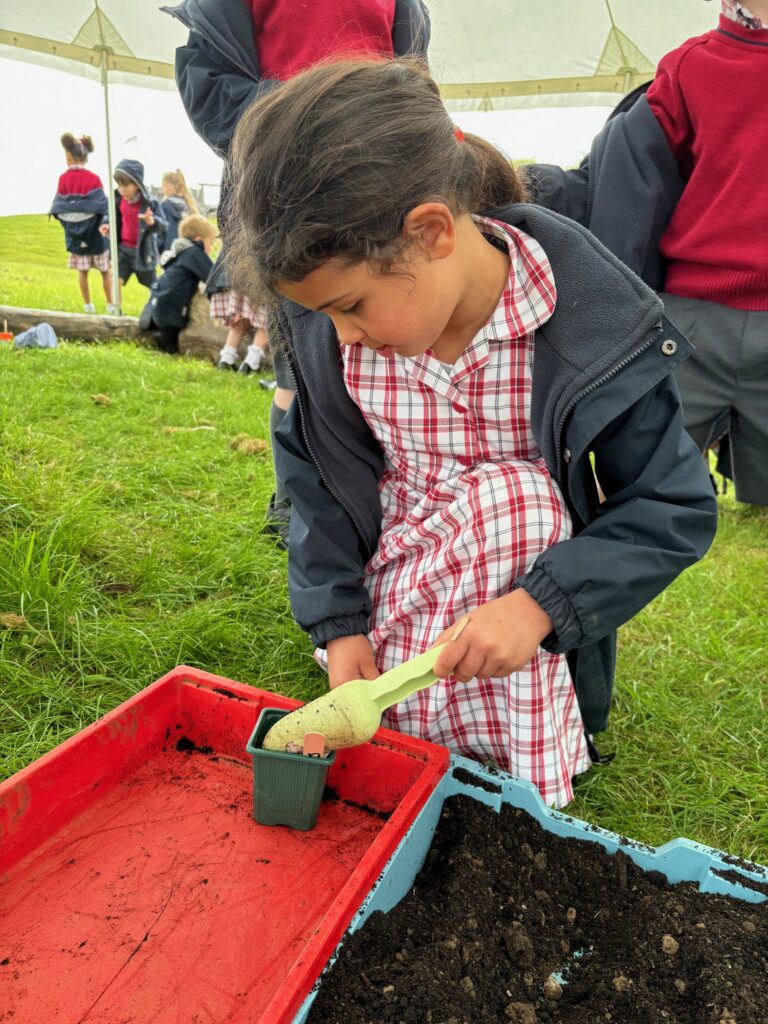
pixel 79 206
pixel 139 224
pixel 185 265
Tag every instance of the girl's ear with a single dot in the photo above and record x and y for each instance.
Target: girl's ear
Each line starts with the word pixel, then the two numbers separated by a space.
pixel 431 226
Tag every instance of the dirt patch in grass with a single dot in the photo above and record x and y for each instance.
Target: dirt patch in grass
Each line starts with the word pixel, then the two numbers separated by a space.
pixel 509 923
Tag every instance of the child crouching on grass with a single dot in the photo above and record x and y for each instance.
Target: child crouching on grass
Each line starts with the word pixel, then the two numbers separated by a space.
pixel 186 265
pixel 460 357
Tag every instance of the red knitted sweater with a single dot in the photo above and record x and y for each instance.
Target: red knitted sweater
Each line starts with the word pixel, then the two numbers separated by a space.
pixel 709 97
pixel 78 181
pixel 292 35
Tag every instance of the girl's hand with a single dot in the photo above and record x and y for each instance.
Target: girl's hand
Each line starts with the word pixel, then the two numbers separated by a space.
pixel 500 637
pixel 350 657
pixel 104 230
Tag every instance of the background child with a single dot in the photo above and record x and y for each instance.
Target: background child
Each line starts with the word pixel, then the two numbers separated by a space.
pixel 185 265
pixel 716 287
pixel 79 206
pixel 177 203
pixel 439 465
pixel 267 43
pixel 139 224
pixel 669 187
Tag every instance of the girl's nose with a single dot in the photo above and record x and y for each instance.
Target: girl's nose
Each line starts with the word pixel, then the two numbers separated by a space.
pixel 347 332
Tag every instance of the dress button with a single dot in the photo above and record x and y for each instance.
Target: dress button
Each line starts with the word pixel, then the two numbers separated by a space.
pixel 567 455
pixel 668 347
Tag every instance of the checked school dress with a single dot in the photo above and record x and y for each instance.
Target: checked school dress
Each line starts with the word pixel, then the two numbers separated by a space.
pixel 467 506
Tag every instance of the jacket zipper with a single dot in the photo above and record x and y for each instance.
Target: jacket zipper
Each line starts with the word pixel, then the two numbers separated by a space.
pixel 596 384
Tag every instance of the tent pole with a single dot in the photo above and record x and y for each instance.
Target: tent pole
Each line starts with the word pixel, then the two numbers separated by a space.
pixel 113 239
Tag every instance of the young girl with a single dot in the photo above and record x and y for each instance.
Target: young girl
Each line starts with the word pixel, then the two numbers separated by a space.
pixel 459 356
pixel 79 205
pixel 176 204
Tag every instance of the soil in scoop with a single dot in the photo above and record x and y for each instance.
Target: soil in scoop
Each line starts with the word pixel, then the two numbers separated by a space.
pixel 501 905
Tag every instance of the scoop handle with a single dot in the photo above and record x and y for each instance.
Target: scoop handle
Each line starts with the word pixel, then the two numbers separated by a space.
pixel 401 682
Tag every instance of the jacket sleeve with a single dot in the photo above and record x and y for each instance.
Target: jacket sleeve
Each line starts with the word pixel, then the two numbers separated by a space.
pixel 667 102
pixel 325 562
pixel 161 224
pixel 557 189
pixel 214 92
pixel 411 29
pixel 659 517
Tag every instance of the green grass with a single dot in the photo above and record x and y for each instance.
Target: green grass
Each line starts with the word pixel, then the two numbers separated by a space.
pixel 35 273
pixel 128 548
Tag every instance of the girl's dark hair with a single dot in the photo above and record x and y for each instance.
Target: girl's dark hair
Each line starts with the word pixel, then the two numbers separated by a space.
pixel 77 148
pixel 330 163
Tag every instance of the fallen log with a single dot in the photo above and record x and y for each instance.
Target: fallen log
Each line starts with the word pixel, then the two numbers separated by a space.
pixel 201 338
pixel 81 326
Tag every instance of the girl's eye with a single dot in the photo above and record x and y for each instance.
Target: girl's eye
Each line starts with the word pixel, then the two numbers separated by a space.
pixel 352 309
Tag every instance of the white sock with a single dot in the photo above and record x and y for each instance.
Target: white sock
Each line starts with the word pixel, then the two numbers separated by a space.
pixel 228 356
pixel 253 356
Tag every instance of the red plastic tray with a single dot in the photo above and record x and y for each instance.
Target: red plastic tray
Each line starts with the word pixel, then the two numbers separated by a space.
pixel 135 886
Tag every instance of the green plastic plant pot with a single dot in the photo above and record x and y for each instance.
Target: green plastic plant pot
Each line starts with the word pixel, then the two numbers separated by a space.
pixel 287 788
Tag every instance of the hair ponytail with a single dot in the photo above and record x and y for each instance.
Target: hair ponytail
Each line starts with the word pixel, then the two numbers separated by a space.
pixel 497 183
pixel 330 164
pixel 179 184
pixel 78 149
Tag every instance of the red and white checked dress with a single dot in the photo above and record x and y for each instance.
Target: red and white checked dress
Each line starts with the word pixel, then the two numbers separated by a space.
pixel 467 506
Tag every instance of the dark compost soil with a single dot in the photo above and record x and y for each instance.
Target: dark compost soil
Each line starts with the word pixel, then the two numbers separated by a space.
pixel 501 905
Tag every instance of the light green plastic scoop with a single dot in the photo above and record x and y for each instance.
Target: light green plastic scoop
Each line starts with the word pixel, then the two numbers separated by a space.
pixel 352 712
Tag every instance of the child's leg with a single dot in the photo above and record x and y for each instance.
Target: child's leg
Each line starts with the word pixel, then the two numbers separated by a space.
pixel 256 351
pixel 229 352
pixel 106 281
pixel 279 511
pixel 167 339
pixel 85 291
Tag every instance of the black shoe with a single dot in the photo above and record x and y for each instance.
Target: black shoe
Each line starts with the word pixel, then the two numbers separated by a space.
pixel 226 366
pixel 245 368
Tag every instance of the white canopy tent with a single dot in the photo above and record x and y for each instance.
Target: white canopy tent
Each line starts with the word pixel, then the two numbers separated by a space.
pixel 489 54
pixel 497 54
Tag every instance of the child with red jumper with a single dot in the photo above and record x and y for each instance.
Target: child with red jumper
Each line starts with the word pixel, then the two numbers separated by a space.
pixel 139 225
pixel 79 205
pixel 672 186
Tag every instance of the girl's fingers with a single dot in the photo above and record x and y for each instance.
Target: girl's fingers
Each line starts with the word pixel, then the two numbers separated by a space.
pixel 470 666
pixel 450 656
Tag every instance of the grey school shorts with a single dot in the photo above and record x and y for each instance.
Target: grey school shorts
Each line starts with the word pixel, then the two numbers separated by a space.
pixel 126 267
pixel 725 384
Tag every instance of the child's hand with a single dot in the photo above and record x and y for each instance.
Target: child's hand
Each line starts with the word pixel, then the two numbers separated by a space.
pixel 104 230
pixel 350 657
pixel 500 638
pixel 148 217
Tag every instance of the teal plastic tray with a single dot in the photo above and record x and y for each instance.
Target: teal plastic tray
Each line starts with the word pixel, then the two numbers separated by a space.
pixel 680 860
